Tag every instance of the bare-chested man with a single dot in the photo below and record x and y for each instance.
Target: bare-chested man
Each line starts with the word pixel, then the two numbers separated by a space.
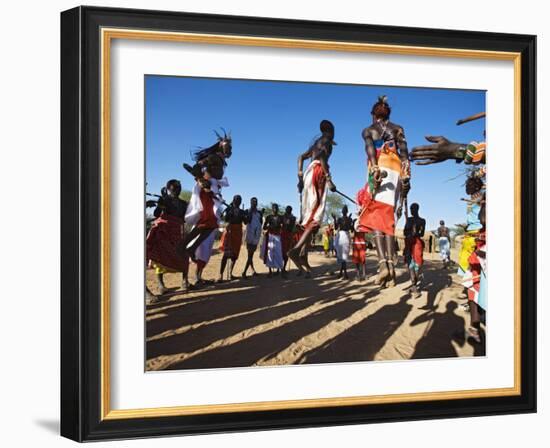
pixel 388 179
pixel 313 185
pixel 414 246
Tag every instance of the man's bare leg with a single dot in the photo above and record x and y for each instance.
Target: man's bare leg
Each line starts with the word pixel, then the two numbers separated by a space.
pixel 475 322
pixel 160 283
pixel 295 254
pixel 184 281
pixel 232 262
pixel 390 251
pixel 222 268
pixel 249 262
pixel 384 271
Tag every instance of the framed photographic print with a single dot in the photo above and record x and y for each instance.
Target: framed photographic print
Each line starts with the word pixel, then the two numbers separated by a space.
pixel 275 224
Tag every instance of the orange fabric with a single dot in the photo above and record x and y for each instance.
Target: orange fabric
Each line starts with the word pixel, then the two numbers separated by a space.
pixel 359 249
pixel 376 215
pixel 414 250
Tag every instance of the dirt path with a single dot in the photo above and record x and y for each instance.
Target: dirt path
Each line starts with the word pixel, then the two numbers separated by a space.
pixel 274 321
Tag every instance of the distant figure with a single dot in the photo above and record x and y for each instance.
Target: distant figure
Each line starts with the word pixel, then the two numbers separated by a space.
pixel 253 220
pixel 272 248
pixel 444 244
pixel 343 226
pixel 232 237
pixel 287 233
pixel 414 246
pixel 359 254
pixel 326 241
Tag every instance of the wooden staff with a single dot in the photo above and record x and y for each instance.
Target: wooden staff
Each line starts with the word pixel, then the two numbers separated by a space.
pixel 471 118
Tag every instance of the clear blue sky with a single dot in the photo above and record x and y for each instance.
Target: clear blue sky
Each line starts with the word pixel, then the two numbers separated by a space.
pixel 273 122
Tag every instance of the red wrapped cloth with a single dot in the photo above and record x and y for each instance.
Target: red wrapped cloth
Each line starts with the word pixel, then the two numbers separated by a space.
pixel 207 217
pixel 231 241
pixel 287 241
pixel 359 248
pixel 414 252
pixel 162 242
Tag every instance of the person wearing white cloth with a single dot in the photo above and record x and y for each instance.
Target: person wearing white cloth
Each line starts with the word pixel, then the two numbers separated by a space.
pixel 343 226
pixel 444 243
pixel 272 247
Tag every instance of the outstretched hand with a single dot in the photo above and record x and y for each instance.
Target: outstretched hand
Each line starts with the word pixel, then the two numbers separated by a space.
pixel 442 149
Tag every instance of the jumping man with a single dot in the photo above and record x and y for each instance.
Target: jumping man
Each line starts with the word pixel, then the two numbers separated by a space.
pixel 388 179
pixel 313 186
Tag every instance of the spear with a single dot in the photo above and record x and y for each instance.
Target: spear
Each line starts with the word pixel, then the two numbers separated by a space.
pixel 345 196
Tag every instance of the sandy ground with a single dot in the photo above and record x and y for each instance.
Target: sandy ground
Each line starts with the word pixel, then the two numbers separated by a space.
pixel 274 321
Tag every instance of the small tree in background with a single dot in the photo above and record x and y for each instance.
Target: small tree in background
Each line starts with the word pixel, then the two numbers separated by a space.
pixel 185 195
pixel 334 205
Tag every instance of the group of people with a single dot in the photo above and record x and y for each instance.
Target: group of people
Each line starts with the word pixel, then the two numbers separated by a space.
pixel 472 256
pixel 185 231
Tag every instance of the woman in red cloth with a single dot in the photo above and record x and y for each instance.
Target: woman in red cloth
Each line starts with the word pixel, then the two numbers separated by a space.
pixel 414 246
pixel 166 234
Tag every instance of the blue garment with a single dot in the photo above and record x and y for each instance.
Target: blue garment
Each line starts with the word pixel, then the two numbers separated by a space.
pixel 472 218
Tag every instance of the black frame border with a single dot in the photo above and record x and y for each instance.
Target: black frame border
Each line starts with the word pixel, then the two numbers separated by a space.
pixel 81 223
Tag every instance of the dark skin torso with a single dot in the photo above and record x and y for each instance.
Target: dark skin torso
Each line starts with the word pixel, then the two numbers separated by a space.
pixel 250 213
pixel 171 206
pixel 443 231
pixel 273 223
pixel 289 221
pixel 385 131
pixel 234 215
pixel 344 223
pixel 415 226
pixel 320 150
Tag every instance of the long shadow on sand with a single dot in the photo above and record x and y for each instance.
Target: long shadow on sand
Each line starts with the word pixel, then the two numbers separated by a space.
pixel 362 341
pixel 264 342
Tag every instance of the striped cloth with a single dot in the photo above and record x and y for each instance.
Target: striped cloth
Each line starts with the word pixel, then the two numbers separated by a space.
pixel 314 196
pixel 377 212
pixel 475 153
